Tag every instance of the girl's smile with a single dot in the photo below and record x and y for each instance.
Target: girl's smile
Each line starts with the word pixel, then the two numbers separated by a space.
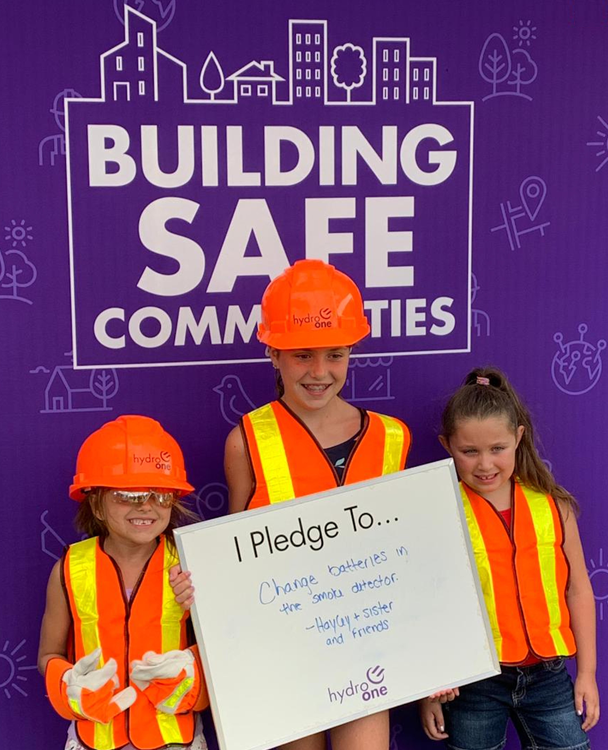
pixel 134 525
pixel 311 377
pixel 484 454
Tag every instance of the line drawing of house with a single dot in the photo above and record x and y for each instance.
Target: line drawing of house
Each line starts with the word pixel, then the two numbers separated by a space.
pixel 256 80
pixel 69 390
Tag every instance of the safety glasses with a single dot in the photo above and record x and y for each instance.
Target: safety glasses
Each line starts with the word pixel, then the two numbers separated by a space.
pixel 162 498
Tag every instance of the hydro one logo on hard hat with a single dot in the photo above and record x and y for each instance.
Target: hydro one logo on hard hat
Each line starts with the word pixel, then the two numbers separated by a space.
pixel 161 462
pixel 322 320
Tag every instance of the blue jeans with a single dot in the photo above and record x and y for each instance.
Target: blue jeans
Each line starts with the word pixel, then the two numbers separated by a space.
pixel 538 699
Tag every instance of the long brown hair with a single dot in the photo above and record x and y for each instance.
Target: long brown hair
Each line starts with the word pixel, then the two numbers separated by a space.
pixel 88 522
pixel 486 392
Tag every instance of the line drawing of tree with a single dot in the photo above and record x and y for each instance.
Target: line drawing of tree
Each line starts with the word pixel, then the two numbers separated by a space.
pixel 494 62
pixel 13 271
pixel 212 77
pixel 104 385
pixel 348 67
pixel 523 71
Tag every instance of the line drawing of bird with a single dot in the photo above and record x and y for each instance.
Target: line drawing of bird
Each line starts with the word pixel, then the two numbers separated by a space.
pixel 234 401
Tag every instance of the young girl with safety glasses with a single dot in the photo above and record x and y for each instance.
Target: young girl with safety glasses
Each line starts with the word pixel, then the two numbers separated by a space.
pixel 115 649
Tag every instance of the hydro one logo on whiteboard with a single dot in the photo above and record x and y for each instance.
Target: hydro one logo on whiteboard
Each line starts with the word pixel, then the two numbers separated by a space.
pixel 366 690
pixel 182 209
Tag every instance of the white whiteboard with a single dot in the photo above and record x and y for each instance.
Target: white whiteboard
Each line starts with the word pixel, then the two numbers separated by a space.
pixel 383 608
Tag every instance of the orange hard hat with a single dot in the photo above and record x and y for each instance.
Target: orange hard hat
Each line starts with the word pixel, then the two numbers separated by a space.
pixel 312 305
pixel 131 451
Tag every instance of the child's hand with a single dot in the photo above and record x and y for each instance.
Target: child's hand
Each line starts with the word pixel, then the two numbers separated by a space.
pixel 431 718
pixel 92 691
pixel 444 696
pixel 183 590
pixel 171 681
pixel 587 700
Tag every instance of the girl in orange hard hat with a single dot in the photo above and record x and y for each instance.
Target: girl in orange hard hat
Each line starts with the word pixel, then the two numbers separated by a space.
pixel 114 648
pixel 312 315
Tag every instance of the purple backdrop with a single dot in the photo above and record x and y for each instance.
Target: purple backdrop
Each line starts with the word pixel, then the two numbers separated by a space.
pixel 345 127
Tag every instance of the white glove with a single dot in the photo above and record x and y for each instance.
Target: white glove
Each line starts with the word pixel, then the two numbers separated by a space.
pixel 91 692
pixel 166 679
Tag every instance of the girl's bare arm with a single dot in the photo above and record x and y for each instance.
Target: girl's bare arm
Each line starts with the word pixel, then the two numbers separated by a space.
pixel 55 622
pixel 238 471
pixel 582 615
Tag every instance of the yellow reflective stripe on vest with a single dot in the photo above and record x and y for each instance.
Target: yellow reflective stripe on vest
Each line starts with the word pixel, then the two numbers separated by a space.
pixel 272 454
pixel 82 566
pixel 171 620
pixel 172 615
pixel 393 445
pixel 484 569
pixel 83 577
pixel 544 526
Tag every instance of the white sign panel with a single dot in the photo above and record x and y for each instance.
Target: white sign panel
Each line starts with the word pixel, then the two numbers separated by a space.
pixel 324 609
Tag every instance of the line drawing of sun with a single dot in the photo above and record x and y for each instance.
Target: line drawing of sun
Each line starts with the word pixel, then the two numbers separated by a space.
pixel 598 576
pixel 524 33
pixel 602 145
pixel 18 233
pixel 9 668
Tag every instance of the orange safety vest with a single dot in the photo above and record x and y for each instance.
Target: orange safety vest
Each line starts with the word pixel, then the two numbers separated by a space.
pixel 151 621
pixel 524 574
pixel 288 462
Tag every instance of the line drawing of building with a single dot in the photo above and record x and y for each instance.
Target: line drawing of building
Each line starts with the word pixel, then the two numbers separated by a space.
pixel 307 60
pixel 137 69
pixel 130 71
pixel 422 79
pixel 390 69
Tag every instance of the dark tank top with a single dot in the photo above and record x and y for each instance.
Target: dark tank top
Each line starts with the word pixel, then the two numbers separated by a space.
pixel 338 454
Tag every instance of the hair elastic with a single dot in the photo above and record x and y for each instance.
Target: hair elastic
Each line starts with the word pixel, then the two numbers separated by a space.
pixel 482 381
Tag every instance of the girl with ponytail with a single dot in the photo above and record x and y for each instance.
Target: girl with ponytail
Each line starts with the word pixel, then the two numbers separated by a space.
pixel 533 576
